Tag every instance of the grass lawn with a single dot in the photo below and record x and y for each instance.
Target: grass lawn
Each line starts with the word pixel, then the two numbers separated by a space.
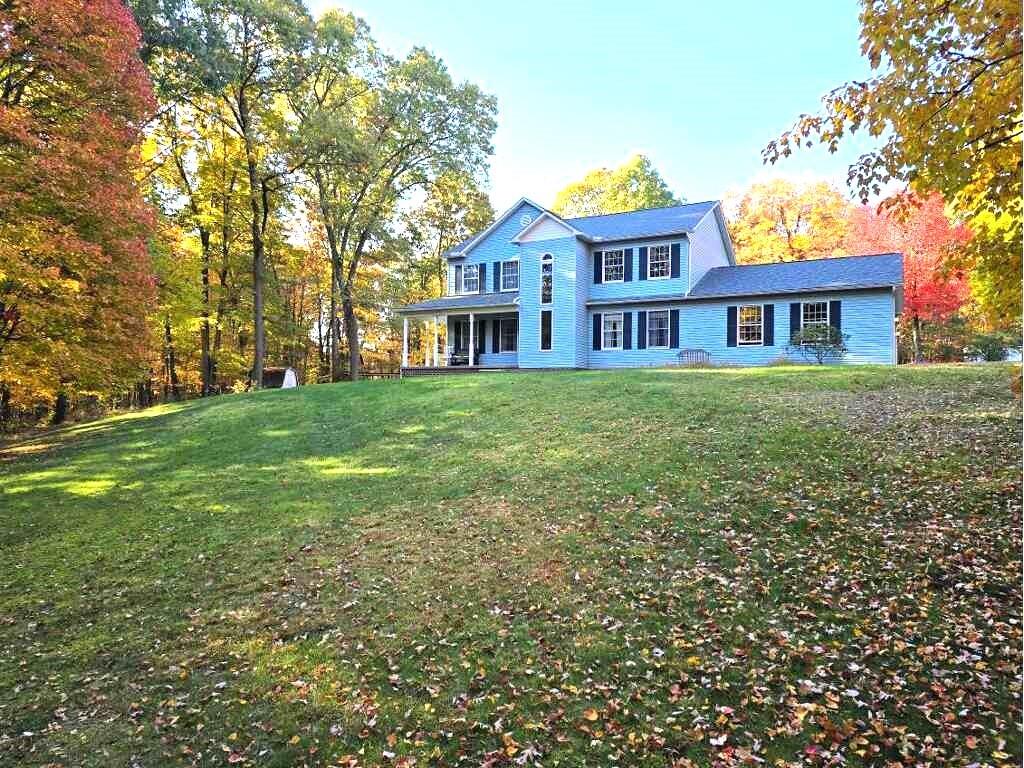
pixel 589 568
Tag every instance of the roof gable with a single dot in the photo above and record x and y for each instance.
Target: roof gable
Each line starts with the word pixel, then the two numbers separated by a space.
pixel 547 226
pixel 846 272
pixel 512 220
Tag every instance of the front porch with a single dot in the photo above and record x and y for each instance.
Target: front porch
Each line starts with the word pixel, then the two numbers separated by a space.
pixel 465 342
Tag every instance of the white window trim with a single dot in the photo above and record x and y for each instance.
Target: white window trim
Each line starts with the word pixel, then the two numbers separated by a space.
pixel 657 245
pixel 604 267
pixel 540 328
pixel 668 327
pixel 828 312
pixel 501 277
pixel 622 330
pixel 501 335
pixel 463 286
pixel 749 343
pixel 548 258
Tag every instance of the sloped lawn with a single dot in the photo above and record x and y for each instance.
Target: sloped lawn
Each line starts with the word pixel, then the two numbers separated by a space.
pixel 623 568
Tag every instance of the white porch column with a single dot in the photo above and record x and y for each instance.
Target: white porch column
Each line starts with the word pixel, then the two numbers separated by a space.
pixel 405 341
pixel 447 340
pixel 435 341
pixel 472 348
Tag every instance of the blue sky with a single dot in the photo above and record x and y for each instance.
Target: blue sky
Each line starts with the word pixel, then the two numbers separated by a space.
pixel 700 87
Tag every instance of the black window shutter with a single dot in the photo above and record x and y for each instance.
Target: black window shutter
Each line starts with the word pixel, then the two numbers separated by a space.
pixel 643 264
pixel 497 276
pixel 730 327
pixel 597 269
pixel 675 259
pixel 794 319
pixel 481 284
pixel 597 330
pixel 481 332
pixel 458 278
pixel 835 315
pixel 768 316
pixel 495 335
pixel 627 330
pixel 641 329
pixel 627 265
pixel 673 329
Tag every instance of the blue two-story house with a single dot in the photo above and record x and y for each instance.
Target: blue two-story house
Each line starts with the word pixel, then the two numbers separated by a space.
pixel 643 288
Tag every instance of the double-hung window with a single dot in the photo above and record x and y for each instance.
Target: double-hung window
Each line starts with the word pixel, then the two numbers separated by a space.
pixel 546 278
pixel 813 313
pixel 611 337
pixel 546 320
pixel 471 278
pixel 510 276
pixel 614 267
pixel 659 262
pixel 750 325
pixel 657 329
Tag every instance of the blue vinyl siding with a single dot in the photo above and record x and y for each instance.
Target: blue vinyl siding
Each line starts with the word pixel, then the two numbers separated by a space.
pixel 497 246
pixel 867 318
pixel 672 286
pixel 564 303
pixel 633 358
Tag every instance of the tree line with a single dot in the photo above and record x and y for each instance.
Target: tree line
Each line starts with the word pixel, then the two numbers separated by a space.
pixel 193 189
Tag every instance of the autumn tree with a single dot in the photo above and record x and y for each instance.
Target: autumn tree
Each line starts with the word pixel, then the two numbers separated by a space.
pixel 374 130
pixel 780 220
pixel 633 185
pixel 75 275
pixel 945 103
pixel 928 241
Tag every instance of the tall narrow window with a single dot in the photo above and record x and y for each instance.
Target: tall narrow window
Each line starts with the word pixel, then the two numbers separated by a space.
pixel 545 330
pixel 612 336
pixel 510 276
pixel 546 278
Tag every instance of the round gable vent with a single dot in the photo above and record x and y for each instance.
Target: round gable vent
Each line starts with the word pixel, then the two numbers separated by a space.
pixel 525 220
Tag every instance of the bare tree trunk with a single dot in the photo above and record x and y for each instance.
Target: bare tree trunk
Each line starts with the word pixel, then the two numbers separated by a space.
pixel 257 213
pixel 206 361
pixel 916 339
pixel 60 408
pixel 351 334
pixel 172 369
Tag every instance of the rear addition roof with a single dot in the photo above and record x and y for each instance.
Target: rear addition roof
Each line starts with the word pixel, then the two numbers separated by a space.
pixel 842 273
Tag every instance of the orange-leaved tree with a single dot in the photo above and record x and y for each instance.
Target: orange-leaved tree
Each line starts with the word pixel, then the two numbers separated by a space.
pixel 75 278
pixel 928 240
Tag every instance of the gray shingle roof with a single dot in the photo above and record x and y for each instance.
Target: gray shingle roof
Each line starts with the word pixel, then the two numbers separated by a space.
pixel 648 222
pixel 875 271
pixel 468 301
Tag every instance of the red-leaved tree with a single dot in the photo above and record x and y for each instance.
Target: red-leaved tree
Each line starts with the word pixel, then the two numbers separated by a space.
pixel 75 276
pixel 927 239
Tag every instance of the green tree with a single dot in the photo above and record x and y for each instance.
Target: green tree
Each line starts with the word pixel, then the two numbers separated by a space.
pixel 374 130
pixel 782 221
pixel 633 185
pixel 946 106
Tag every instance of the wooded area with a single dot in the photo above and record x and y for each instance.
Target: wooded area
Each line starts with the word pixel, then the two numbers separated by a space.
pixel 193 191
